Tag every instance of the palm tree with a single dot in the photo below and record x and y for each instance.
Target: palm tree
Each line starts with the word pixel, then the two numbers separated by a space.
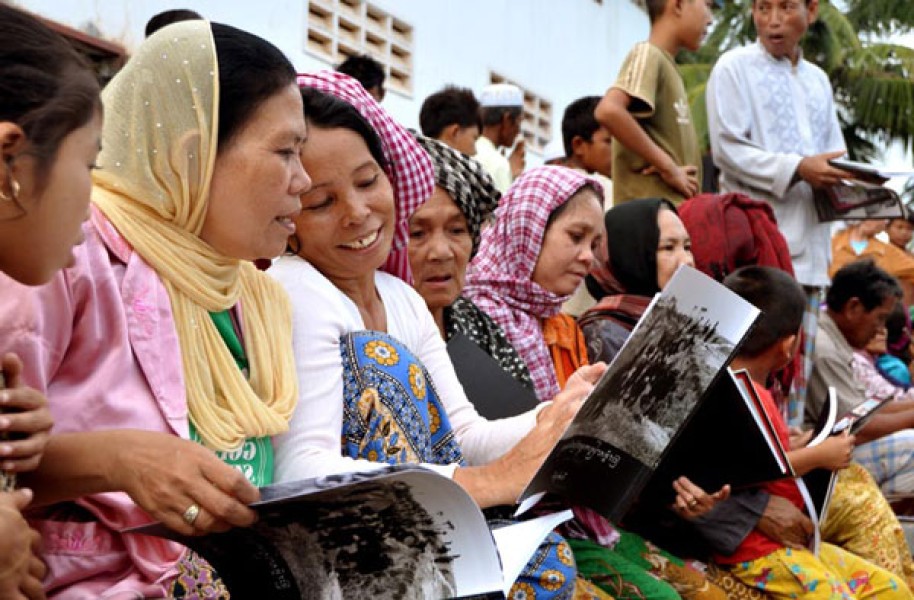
pixel 873 80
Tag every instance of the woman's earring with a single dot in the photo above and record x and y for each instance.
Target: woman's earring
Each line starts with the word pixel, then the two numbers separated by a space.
pixel 14 191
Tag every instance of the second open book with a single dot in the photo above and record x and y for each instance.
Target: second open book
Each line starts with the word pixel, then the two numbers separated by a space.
pixel 627 432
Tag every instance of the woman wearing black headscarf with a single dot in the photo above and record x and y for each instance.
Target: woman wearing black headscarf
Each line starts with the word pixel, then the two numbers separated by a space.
pixel 645 244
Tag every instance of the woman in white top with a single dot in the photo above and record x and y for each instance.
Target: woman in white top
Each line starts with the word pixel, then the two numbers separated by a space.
pixel 348 223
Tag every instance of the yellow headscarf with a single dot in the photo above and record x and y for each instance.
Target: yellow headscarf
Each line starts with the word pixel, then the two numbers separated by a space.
pixel 158 151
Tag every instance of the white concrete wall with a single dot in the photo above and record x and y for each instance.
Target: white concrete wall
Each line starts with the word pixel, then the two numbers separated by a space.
pixel 559 49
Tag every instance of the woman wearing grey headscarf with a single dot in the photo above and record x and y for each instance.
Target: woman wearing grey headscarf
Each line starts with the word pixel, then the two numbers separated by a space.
pixel 443 236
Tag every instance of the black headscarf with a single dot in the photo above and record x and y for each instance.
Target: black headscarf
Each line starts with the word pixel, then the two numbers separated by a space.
pixel 469 185
pixel 632 236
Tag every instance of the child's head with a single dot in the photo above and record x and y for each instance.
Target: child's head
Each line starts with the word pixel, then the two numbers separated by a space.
pixel 369 72
pixel 452 116
pixel 689 18
pixel 586 141
pixel 50 125
pixel 901 231
pixel 782 23
pixel 782 302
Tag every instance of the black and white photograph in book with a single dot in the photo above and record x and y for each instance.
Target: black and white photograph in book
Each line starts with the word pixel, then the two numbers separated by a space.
pixel 376 542
pixel 668 363
pixel 391 534
pixel 647 395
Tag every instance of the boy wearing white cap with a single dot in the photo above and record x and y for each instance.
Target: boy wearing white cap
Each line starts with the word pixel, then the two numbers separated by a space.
pixel 501 113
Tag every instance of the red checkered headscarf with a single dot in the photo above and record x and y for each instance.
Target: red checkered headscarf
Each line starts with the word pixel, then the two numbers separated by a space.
pixel 408 168
pixel 499 278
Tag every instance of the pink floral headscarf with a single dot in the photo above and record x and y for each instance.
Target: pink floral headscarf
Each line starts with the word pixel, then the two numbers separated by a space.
pixel 499 278
pixel 409 167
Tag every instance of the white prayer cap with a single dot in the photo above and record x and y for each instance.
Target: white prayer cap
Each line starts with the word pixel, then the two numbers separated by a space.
pixel 501 94
pixel 553 150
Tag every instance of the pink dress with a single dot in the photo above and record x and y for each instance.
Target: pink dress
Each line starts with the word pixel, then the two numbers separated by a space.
pixel 100 342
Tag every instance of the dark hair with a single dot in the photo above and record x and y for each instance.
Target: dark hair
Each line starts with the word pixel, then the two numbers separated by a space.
pixel 325 111
pixel 654 8
pixel 447 107
pixel 168 17
pixel 367 70
pixel 806 2
pixel 557 212
pixel 863 280
pixel 780 298
pixel 492 115
pixel 251 70
pixel 908 213
pixel 46 87
pixel 578 121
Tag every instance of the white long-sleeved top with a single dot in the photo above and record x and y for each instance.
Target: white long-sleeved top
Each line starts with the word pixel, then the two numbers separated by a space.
pixel 322 314
pixel 764 116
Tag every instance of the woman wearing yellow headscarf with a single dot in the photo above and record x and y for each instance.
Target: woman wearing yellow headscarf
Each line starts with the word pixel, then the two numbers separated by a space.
pixel 163 329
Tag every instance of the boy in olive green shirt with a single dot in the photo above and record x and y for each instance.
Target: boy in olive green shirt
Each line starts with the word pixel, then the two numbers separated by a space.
pixel 647 109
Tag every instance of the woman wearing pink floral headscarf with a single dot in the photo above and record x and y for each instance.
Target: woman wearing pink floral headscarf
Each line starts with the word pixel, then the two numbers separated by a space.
pixel 548 227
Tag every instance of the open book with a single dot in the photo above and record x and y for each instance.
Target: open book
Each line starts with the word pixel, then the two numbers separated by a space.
pixel 402 532
pixel 857 200
pixel 647 396
pixel 869 172
pixel 819 484
pixel 830 423
pixel 729 440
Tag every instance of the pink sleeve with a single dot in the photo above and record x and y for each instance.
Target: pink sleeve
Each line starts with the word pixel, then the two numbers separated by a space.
pixel 36 324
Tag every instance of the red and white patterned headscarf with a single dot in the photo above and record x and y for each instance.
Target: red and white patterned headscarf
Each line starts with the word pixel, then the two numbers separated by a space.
pixel 499 278
pixel 409 167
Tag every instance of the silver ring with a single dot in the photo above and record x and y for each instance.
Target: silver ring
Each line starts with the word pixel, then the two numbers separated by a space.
pixel 190 515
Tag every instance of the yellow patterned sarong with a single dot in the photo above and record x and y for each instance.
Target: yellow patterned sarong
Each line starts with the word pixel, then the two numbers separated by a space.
pixel 834 575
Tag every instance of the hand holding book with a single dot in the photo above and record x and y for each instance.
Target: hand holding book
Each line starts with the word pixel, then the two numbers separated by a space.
pixel 834 453
pixel 819 172
pixel 502 481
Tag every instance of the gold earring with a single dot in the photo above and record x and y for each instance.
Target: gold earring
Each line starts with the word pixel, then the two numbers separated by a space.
pixel 14 191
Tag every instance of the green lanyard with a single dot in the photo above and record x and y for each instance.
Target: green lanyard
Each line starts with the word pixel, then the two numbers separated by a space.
pixel 254 458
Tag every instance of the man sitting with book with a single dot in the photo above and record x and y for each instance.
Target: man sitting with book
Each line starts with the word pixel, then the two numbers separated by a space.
pixel 761 562
pixel 858 303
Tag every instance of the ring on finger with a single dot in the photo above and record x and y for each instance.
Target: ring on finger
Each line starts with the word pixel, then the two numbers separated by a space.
pixel 693 503
pixel 190 515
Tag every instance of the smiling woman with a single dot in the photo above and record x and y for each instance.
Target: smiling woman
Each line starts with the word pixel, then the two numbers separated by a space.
pixel 377 384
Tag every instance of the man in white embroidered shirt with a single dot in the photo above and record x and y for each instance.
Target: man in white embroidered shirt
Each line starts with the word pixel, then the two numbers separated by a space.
pixel 773 126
